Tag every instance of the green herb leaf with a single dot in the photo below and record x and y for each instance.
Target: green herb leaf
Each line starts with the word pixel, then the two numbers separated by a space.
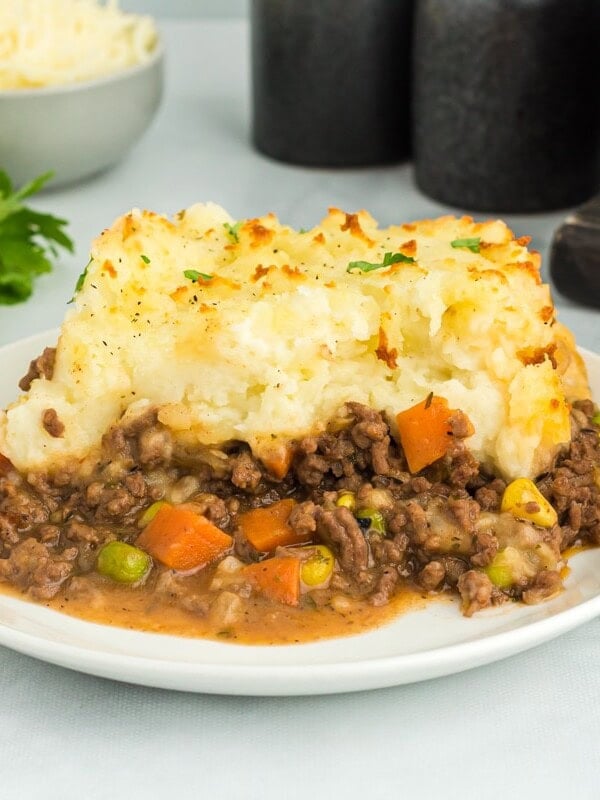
pixel 468 244
pixel 388 260
pixel 80 281
pixel 396 258
pixel 15 286
pixel 145 259
pixel 34 186
pixel 50 228
pixel 6 186
pixel 303 230
pixel 193 275
pixel 363 266
pixel 83 276
pixel 596 419
pixel 27 240
pixel 233 230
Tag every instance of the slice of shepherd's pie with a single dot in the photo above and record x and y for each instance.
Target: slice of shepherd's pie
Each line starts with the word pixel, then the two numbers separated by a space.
pixel 282 419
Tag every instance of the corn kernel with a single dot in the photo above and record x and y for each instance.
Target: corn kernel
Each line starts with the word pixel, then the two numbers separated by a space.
pixel 347 500
pixel 524 500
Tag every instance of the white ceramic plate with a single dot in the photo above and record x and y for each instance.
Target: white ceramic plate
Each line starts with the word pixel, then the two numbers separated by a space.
pixel 422 644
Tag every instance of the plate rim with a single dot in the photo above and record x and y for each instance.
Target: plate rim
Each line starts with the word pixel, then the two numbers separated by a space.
pixel 337 676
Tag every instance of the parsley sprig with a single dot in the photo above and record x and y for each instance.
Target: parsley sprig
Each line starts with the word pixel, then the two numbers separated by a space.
pixel 28 239
pixel 388 260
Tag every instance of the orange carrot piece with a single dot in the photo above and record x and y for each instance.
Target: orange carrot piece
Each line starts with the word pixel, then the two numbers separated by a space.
pixel 279 461
pixel 183 540
pixel 276 578
pixel 425 432
pixel 267 528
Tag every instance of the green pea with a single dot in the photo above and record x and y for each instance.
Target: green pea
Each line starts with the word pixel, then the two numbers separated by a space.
pixel 123 562
pixel 375 518
pixel 501 572
pixel 510 566
pixel 148 515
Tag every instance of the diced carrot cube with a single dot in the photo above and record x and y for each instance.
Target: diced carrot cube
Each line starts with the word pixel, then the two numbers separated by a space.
pixel 279 461
pixel 183 540
pixel 425 432
pixel 276 578
pixel 268 528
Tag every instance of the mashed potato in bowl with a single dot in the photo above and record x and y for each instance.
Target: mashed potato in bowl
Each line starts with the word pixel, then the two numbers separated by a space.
pixel 57 42
pixel 277 432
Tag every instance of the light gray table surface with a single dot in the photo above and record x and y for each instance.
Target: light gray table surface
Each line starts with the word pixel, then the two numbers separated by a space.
pixel 528 726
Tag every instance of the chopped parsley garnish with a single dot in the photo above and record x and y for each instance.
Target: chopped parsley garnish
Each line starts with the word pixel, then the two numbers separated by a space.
pixel 81 280
pixel 303 230
pixel 145 259
pixel 596 418
pixel 468 244
pixel 194 276
pixel 388 260
pixel 27 240
pixel 233 230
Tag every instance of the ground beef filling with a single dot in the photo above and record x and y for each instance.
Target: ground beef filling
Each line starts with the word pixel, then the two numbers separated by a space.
pixel 442 528
pixel 40 367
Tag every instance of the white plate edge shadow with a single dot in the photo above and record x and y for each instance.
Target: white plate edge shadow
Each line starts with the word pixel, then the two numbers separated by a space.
pixel 336 674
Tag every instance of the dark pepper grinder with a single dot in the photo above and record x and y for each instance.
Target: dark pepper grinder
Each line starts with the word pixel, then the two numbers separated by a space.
pixel 331 80
pixel 575 255
pixel 506 106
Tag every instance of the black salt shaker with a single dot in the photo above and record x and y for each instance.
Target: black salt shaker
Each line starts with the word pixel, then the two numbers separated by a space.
pixel 506 102
pixel 575 255
pixel 331 80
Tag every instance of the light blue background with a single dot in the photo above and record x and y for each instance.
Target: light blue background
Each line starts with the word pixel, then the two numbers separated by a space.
pixel 525 727
pixel 188 8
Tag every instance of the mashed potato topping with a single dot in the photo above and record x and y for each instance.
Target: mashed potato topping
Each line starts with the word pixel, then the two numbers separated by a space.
pixel 50 42
pixel 256 332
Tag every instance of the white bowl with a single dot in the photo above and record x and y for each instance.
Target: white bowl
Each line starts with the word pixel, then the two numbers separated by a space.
pixel 78 129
